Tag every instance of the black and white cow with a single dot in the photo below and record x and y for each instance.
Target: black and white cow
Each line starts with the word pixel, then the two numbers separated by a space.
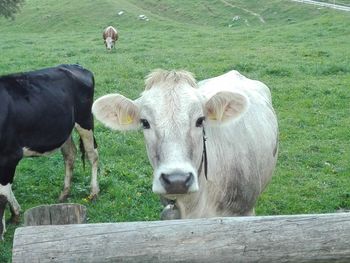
pixel 38 111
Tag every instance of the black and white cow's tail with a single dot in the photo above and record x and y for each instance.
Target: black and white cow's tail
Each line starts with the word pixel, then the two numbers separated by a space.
pixel 82 150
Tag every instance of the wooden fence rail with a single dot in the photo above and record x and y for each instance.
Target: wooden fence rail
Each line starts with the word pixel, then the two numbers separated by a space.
pixel 57 214
pixel 297 238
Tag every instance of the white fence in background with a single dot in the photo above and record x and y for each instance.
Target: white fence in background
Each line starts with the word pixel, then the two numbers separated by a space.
pixel 323 4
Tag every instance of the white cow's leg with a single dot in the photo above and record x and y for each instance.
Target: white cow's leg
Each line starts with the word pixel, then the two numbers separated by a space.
pixel 69 151
pixel 87 137
pixel 6 195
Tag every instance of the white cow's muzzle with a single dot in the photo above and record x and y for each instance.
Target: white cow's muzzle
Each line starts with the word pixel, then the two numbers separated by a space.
pixel 175 179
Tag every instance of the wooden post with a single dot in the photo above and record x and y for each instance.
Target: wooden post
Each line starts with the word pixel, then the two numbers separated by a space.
pixel 298 238
pixel 58 214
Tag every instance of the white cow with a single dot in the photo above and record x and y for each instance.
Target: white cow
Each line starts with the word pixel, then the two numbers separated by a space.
pixel 241 139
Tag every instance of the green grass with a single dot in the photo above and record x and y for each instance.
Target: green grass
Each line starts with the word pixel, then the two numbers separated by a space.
pixel 301 52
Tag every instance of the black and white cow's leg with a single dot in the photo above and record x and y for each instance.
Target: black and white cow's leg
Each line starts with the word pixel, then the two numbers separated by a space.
pixel 3 202
pixel 14 207
pixel 6 195
pixel 7 173
pixel 69 152
pixel 88 139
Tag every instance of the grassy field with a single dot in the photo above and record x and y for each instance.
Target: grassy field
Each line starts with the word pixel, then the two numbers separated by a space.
pixel 300 51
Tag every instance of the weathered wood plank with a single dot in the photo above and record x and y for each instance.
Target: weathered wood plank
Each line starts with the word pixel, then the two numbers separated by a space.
pixel 57 214
pixel 301 238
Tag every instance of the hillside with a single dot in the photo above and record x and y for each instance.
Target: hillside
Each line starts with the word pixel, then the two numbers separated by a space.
pixel 301 52
pixel 52 32
pixel 86 16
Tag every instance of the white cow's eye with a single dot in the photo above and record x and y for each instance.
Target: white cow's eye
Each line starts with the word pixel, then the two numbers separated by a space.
pixel 145 124
pixel 199 122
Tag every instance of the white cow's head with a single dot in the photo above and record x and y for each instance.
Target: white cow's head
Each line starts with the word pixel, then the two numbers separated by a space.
pixel 109 42
pixel 172 112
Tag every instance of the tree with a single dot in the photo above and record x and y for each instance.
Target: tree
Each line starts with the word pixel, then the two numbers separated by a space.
pixel 8 8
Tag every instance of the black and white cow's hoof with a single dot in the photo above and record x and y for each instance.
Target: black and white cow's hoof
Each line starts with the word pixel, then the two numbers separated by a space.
pixel 92 197
pixel 170 212
pixel 15 219
pixel 63 197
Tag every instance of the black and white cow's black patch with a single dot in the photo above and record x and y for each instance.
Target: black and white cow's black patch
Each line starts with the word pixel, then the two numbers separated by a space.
pixel 38 111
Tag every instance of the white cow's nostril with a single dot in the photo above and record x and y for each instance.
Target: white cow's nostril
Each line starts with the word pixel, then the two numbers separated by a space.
pixel 165 179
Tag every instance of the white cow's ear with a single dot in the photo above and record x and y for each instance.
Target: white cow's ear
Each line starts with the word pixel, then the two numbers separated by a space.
pixel 225 106
pixel 117 112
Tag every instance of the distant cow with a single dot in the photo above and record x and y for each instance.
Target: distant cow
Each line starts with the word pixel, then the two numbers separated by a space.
pixel 38 111
pixel 110 36
pixel 213 147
